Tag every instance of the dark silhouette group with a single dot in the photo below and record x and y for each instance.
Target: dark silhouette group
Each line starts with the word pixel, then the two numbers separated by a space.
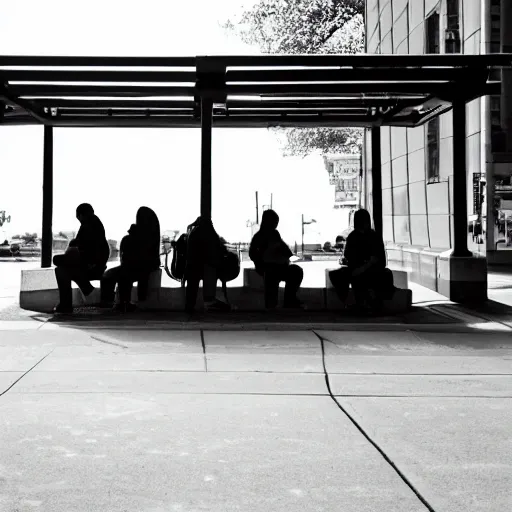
pixel 205 257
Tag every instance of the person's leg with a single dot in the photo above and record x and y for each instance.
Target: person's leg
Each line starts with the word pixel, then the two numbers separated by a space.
pixel 209 283
pixel 63 276
pixel 82 278
pixel 293 275
pixel 193 277
pixel 125 285
pixel 142 285
pixel 108 285
pixel 340 279
pixel 210 278
pixel 272 279
pixel 360 288
pixel 387 286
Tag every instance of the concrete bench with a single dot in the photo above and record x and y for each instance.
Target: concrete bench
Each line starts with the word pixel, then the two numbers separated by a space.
pixel 318 299
pixel 400 278
pixel 401 301
pixel 39 291
pixel 313 298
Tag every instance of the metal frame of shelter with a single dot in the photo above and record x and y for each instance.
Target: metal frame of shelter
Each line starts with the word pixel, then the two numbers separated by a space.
pixel 367 91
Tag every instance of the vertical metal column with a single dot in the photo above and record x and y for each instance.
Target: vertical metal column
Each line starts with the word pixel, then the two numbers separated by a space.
pixel 460 193
pixel 376 179
pixel 47 235
pixel 506 74
pixel 206 157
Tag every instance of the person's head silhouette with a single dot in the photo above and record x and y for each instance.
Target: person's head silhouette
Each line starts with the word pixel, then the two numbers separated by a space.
pixel 83 212
pixel 362 221
pixel 269 220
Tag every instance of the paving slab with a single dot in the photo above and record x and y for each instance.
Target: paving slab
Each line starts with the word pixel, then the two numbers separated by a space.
pixel 263 351
pixel 175 342
pixel 44 338
pixel 456 452
pixel 7 379
pixel 418 342
pixel 416 365
pixel 140 452
pixel 172 382
pixel 424 385
pixel 21 359
pixel 121 361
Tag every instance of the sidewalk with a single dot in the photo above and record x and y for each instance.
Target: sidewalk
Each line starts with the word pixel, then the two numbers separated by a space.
pixel 158 420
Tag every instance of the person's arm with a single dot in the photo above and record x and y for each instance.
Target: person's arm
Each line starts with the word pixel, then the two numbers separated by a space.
pixel 256 251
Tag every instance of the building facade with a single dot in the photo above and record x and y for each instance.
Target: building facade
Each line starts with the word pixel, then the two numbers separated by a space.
pixel 417 163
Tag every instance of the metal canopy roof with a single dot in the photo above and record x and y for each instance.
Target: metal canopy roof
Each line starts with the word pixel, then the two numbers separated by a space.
pixel 248 91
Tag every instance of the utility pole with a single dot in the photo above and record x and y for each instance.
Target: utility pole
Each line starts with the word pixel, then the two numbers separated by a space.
pixel 303 235
pixel 271 197
pixel 257 210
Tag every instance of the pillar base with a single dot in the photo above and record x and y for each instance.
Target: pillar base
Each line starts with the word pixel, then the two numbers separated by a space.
pixel 462 279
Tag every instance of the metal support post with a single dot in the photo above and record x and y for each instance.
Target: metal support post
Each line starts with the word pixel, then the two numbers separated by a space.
pixel 47 235
pixel 376 179
pixel 206 157
pixel 460 194
pixel 506 74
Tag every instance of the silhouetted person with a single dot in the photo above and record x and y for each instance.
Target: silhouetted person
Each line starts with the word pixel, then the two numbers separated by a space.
pixel 205 259
pixel 365 270
pixel 84 260
pixel 271 257
pixel 340 243
pixel 140 255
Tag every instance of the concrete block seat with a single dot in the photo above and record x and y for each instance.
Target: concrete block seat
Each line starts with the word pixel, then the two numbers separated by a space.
pixel 401 301
pixel 39 291
pixel 313 298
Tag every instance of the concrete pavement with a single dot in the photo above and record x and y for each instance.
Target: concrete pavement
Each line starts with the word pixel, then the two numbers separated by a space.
pixel 126 419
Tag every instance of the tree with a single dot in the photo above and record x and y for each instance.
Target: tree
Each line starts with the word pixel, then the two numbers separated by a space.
pixel 301 27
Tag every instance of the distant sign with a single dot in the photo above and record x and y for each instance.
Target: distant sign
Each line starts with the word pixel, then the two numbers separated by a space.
pixel 477 196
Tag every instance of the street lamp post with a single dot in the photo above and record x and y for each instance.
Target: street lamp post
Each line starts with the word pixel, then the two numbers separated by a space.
pixel 303 224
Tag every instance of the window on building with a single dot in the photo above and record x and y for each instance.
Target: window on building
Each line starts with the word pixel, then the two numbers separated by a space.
pixel 432 28
pixel 498 138
pixel 432 46
pixel 433 150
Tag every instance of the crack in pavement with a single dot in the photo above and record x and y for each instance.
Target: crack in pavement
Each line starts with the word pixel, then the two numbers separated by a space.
pixel 97 338
pixel 204 351
pixel 365 435
pixel 26 373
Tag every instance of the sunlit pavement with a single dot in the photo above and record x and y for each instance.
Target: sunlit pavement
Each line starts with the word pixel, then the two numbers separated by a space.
pixel 95 419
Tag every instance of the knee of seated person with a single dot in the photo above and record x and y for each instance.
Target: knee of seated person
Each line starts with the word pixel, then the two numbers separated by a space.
pixel 60 271
pixel 297 271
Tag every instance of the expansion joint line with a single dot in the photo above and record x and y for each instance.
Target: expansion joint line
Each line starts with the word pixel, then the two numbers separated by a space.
pixel 364 433
pixel 26 373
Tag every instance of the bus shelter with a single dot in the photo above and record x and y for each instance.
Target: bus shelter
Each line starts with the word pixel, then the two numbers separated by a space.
pixel 260 91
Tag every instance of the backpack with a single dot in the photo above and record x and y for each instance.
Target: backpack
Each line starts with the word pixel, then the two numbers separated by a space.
pixel 179 259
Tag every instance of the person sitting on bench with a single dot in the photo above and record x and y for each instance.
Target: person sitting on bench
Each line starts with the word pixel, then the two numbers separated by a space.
pixel 205 259
pixel 140 255
pixel 271 257
pixel 84 260
pixel 365 266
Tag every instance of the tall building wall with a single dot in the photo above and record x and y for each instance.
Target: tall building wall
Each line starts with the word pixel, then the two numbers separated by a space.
pixel 416 195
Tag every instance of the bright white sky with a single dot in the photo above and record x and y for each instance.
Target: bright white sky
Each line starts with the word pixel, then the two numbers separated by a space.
pixel 118 170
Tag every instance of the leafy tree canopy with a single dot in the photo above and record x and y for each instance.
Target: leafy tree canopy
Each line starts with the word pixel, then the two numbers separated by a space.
pixel 302 27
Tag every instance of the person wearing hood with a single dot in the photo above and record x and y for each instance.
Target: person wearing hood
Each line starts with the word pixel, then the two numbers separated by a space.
pixel 204 261
pixel 271 257
pixel 364 267
pixel 140 255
